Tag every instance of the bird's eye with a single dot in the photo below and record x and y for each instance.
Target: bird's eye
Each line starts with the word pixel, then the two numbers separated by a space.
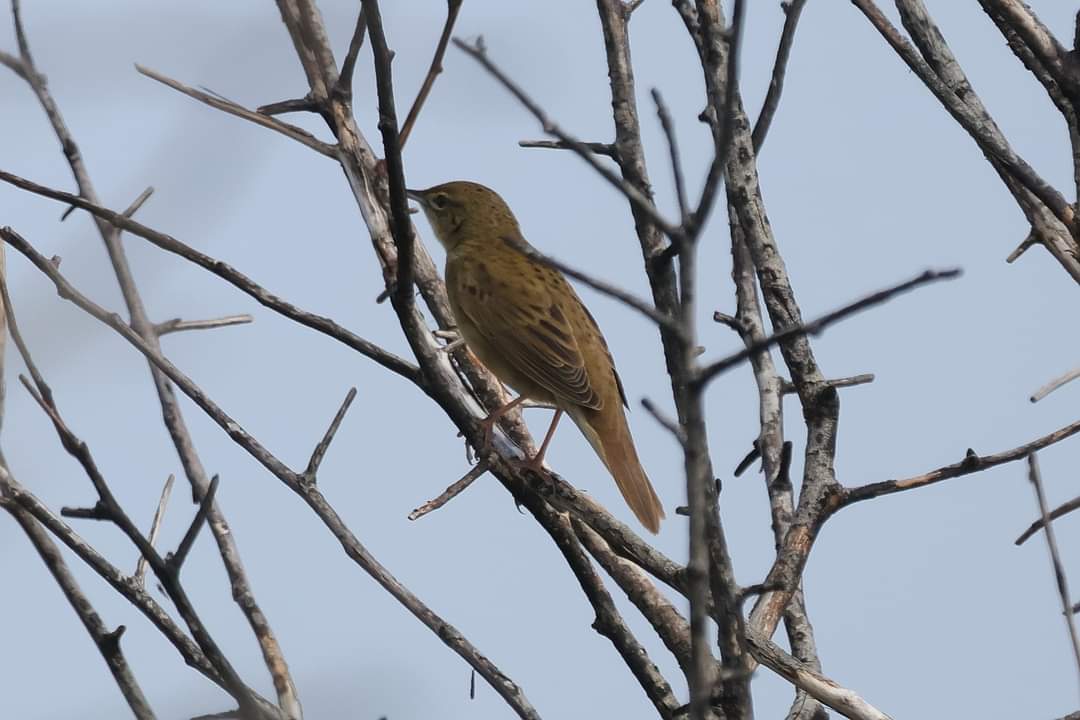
pixel 439 201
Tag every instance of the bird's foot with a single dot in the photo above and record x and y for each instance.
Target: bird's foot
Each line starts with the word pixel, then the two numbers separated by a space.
pixel 535 463
pixel 453 340
pixel 487 434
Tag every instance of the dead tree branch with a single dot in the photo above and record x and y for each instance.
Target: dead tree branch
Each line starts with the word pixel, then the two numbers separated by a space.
pixel 1055 558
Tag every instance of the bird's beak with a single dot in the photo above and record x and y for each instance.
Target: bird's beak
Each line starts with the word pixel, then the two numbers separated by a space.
pixel 417 195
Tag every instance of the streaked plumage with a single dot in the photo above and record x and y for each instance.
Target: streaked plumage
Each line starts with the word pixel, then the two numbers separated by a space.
pixel 524 321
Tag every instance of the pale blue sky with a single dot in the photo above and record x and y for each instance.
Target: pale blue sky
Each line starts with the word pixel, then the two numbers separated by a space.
pixel 920 601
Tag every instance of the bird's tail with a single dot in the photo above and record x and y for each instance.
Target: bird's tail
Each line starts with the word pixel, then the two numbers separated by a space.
pixel 607 432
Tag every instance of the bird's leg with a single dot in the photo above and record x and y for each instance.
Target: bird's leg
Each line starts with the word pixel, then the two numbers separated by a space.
pixel 487 425
pixel 537 461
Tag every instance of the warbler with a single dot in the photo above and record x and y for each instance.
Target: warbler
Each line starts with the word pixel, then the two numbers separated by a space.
pixel 524 321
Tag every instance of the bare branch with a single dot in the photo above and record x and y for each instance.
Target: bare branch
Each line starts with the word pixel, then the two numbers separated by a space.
pixel 126 587
pixel 666 422
pixel 229 274
pixel 816 326
pixel 724 115
pixel 596 147
pixel 1039 40
pixel 1047 229
pixel 309 492
pixel 400 225
pixel 304 104
pixel 171 413
pixel 788 388
pixel 972 463
pixel 14 64
pixel 673 150
pixel 840 699
pixel 609 621
pixel 563 496
pixel 319 453
pixel 107 642
pixel 1055 384
pixel 259 118
pixel 1031 239
pixel 792 11
pixel 155 528
pixel 669 624
pixel 453 7
pixel 452 491
pixel 175 561
pixel 1059 511
pixel 1055 557
pixel 178 325
pixel 348 65
pixel 989 142
pixel 108 508
pixel 640 201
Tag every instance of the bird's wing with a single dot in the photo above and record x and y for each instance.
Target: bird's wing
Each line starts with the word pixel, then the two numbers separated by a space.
pixel 607 351
pixel 523 311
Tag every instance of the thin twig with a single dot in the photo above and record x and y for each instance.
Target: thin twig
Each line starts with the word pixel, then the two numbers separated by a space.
pixel 725 118
pixel 673 150
pixel 1030 240
pixel 1018 168
pixel 1060 511
pixel 155 528
pixel 842 700
pixel 609 622
pixel 599 148
pixel 400 225
pixel 1055 557
pixel 788 388
pixel 229 274
pixel 816 326
pixel 640 201
pixel 14 64
pixel 307 491
pixel 171 413
pixel 348 65
pixel 453 7
pixel 1055 384
pixel 792 11
pixel 107 642
pixel 670 625
pixel 20 35
pixel 664 420
pixel 319 452
pixel 109 508
pixel 178 325
pixel 452 491
pixel 262 119
pixel 972 463
pixel 175 560
pixel 1046 228
pixel 124 586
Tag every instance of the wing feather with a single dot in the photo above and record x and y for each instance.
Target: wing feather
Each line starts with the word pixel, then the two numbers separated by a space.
pixel 529 324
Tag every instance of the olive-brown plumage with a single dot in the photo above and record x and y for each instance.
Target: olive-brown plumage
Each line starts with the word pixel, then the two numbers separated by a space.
pixel 524 321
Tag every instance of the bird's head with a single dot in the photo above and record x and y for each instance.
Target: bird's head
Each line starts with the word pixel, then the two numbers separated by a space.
pixel 462 210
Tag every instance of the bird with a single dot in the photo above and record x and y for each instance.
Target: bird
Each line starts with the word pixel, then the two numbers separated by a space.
pixel 525 323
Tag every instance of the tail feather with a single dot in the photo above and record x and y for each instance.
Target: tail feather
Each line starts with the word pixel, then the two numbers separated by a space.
pixel 610 437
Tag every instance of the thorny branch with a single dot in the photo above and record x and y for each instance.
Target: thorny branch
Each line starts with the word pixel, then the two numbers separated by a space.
pixel 463 389
pixel 295 481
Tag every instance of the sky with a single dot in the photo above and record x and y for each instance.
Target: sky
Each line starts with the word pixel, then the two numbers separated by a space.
pixel 920 601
